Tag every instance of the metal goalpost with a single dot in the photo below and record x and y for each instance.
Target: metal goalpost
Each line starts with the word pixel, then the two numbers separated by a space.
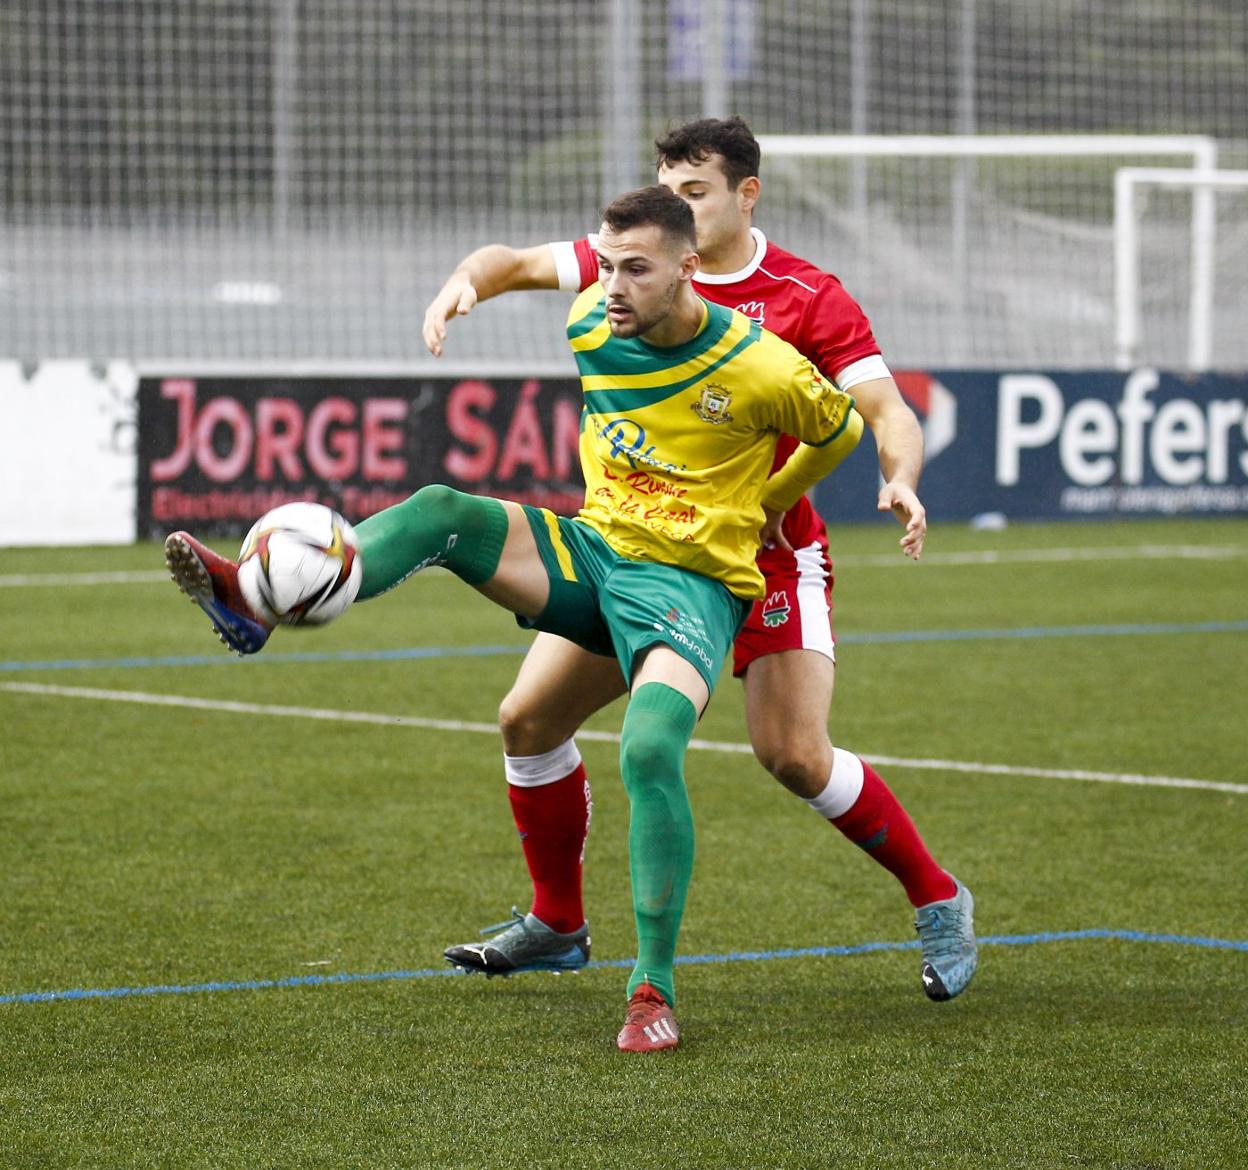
pixel 1028 276
pixel 1204 183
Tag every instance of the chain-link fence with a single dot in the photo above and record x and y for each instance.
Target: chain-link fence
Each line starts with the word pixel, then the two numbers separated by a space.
pixel 234 181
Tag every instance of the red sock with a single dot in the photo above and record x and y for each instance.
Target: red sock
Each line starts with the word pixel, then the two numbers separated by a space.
pixel 553 820
pixel 878 824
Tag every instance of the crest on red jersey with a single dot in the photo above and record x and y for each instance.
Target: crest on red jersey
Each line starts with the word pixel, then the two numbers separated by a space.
pixel 754 310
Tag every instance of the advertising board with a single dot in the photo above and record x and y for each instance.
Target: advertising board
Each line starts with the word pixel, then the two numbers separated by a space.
pixel 215 452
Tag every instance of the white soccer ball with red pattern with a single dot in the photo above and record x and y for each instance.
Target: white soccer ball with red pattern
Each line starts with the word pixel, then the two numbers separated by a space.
pixel 300 565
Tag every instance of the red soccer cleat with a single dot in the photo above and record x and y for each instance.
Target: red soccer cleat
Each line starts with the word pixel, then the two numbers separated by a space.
pixel 211 581
pixel 649 1025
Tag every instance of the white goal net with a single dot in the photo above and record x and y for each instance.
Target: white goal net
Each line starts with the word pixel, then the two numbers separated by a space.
pixel 286 181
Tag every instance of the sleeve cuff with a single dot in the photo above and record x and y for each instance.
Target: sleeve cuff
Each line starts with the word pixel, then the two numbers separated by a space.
pixel 866 369
pixel 567 266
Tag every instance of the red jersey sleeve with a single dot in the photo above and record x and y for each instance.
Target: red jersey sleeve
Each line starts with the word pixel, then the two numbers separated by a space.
pixel 835 331
pixel 576 262
pixel 587 261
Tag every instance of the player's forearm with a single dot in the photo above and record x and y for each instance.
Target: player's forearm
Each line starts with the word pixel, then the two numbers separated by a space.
pixel 808 465
pixel 900 447
pixel 498 268
pixel 897 434
pixel 490 270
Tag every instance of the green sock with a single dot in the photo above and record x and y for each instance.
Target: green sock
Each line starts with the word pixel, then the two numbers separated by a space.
pixel 657 728
pixel 436 526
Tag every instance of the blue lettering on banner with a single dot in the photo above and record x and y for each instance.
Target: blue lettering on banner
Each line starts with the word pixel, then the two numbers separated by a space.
pixel 1053 444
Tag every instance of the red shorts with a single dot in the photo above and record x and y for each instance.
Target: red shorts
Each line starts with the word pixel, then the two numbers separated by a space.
pixel 795 613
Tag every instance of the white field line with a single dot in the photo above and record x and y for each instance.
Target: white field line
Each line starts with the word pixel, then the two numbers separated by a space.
pixel 1026 556
pixel 1018 556
pixel 127 577
pixel 455 725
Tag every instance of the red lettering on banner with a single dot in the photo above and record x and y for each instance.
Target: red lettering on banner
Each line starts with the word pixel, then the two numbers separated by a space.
pixel 279 435
pixel 170 505
pixel 357 502
pixel 467 426
pixel 295 440
pixel 524 443
pixel 333 454
pixel 227 412
pixel 182 391
pixel 567 438
pixel 381 438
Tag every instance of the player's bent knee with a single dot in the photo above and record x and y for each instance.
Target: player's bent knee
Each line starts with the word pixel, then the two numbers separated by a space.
pixel 468 531
pixel 528 729
pixel 438 503
pixel 646 762
pixel 802 768
pixel 657 727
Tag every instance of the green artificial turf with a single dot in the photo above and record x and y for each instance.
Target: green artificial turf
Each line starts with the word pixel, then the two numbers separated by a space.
pixel 204 875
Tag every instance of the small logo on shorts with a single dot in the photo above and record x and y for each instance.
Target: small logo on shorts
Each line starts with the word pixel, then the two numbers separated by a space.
pixel 776 609
pixel 712 407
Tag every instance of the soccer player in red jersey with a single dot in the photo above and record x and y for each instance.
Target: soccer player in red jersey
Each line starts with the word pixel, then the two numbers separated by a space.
pixel 785 654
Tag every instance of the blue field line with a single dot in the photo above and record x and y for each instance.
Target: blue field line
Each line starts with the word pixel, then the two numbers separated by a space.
pixel 432 652
pixel 295 981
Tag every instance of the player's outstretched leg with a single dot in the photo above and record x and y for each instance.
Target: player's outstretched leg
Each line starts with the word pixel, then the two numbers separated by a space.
pixel 947 934
pixel 525 943
pixel 211 581
pixel 437 525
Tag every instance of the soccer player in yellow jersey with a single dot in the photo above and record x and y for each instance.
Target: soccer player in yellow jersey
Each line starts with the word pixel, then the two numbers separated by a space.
pixel 785 653
pixel 683 405
pixel 677 440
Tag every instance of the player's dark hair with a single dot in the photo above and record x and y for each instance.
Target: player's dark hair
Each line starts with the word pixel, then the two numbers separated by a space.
pixel 653 205
pixel 696 141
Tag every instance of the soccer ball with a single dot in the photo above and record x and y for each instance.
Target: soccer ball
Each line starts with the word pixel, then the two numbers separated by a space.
pixel 300 565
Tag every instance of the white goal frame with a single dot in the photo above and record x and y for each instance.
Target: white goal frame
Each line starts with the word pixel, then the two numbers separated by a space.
pixel 1204 183
pixel 1198 150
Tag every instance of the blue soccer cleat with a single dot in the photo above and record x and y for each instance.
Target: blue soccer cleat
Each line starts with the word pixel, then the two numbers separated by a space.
pixel 211 582
pixel 947 935
pixel 524 944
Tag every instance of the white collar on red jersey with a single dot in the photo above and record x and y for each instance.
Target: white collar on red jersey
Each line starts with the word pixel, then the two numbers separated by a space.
pixel 760 250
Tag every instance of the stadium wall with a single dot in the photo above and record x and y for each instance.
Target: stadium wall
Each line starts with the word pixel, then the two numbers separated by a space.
pixel 108 454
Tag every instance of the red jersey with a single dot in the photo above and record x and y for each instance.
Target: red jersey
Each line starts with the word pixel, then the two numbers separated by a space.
pixel 792 298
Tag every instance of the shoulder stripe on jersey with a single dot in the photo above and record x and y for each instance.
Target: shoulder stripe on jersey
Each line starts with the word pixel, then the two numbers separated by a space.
pixel 629 363
pixel 781 276
pixel 620 399
pixel 588 311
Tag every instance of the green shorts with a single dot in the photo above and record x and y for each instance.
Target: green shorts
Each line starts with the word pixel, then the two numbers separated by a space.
pixel 611 605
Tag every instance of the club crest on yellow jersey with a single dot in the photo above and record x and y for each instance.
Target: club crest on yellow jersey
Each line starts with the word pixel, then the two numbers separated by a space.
pixel 712 407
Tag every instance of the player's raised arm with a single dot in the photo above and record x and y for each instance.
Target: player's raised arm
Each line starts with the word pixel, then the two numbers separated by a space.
pixel 899 441
pixel 483 274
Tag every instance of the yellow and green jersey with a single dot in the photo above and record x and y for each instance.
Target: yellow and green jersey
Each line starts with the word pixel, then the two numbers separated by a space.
pixel 676 443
